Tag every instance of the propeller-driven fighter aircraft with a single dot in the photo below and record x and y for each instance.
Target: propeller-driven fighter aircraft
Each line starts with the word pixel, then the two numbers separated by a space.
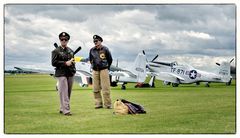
pixel 176 73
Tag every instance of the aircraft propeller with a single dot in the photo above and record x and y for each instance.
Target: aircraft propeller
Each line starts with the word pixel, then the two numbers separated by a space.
pixel 229 62
pixel 147 66
pixel 75 52
pixel 56 45
pixel 218 64
pixel 155 58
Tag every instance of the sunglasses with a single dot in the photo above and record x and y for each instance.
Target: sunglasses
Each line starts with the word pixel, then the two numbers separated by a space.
pixel 63 39
pixel 95 41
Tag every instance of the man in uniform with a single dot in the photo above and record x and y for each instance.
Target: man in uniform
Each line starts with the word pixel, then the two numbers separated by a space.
pixel 63 60
pixel 101 60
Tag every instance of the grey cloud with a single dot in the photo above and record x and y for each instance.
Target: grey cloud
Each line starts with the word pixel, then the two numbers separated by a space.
pixel 22 19
pixel 72 13
pixel 205 18
pixel 83 21
pixel 61 12
pixel 192 13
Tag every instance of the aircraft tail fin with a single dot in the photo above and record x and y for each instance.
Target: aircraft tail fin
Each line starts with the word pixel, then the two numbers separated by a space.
pixel 139 67
pixel 224 71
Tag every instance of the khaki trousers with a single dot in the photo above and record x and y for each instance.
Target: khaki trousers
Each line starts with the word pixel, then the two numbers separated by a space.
pixel 65 89
pixel 101 84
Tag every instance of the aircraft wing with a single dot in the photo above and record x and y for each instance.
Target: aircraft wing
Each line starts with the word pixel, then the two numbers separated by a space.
pixel 116 73
pixel 152 73
pixel 31 70
pixel 83 78
pixel 216 78
pixel 87 74
pixel 122 73
pixel 114 68
pixel 170 77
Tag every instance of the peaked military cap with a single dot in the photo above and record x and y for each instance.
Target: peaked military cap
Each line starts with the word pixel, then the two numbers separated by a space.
pixel 98 37
pixel 64 34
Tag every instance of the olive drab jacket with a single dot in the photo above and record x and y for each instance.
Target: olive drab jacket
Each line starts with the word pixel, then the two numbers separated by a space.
pixel 59 56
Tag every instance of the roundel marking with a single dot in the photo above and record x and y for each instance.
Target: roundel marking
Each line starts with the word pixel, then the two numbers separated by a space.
pixel 193 74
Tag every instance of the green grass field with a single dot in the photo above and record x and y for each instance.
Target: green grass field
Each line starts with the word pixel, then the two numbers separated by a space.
pixel 31 105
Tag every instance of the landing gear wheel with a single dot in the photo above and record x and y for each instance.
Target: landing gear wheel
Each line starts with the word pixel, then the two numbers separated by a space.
pixel 207 85
pixel 123 87
pixel 229 83
pixel 175 84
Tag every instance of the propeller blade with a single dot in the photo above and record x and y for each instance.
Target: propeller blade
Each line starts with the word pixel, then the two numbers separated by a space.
pixel 218 64
pixel 143 52
pixel 55 45
pixel 231 60
pixel 78 49
pixel 154 58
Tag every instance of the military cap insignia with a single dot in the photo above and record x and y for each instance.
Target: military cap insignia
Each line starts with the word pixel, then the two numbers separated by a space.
pixel 98 37
pixel 64 34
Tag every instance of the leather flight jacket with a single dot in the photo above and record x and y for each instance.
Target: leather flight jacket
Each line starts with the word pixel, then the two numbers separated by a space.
pixel 59 56
pixel 100 58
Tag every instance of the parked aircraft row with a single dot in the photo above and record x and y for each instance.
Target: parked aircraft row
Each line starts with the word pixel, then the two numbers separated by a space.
pixel 170 73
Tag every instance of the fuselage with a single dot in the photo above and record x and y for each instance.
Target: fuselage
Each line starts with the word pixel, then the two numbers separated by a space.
pixel 185 74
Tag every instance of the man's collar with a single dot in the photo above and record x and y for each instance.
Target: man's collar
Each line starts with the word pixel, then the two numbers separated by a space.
pixel 98 47
pixel 63 47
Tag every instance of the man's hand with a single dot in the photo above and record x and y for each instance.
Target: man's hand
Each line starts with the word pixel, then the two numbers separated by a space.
pixel 70 62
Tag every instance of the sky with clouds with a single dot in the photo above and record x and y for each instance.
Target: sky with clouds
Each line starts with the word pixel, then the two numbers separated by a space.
pixel 196 34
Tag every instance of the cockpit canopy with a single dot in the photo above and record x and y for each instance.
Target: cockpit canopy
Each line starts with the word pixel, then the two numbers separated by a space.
pixel 185 65
pixel 174 63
